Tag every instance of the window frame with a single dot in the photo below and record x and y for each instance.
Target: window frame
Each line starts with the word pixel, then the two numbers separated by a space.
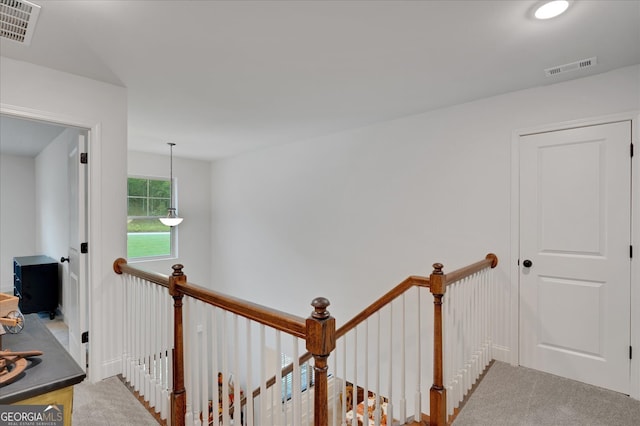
pixel 173 231
pixel 307 377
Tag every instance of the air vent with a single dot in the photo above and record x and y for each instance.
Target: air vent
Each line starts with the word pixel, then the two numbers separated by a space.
pixel 18 20
pixel 577 65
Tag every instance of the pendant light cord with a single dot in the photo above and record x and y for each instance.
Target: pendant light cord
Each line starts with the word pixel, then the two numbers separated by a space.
pixel 171 144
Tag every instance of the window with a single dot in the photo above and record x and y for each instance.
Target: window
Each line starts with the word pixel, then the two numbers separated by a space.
pixel 147 200
pixel 306 377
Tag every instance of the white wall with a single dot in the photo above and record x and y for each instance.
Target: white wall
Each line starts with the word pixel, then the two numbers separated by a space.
pixel 193 189
pixel 349 215
pixel 36 92
pixel 17 214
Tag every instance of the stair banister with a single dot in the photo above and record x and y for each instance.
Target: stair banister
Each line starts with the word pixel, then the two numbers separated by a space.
pixel 438 282
pixel 318 330
pixel 179 396
pixel 438 394
pixel 321 341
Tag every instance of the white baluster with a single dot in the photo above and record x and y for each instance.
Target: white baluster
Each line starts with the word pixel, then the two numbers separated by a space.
pixel 147 341
pixel 137 343
pixel 263 378
pixel 418 395
pixel 164 309
pixel 215 368
pixel 170 346
pixel 493 318
pixel 376 386
pixel 343 410
pixel 365 356
pixel 206 376
pixel 194 351
pixel 276 405
pixel 249 417
pixel 225 369
pixel 143 334
pixel 307 393
pixel 187 311
pixel 236 371
pixel 473 288
pixel 152 344
pixel 157 347
pixel 485 318
pixel 452 336
pixel 296 393
pixel 467 331
pixel 333 372
pixel 390 366
pixel 167 309
pixel 458 342
pixel 403 400
pixel 124 282
pixel 354 421
pixel 446 371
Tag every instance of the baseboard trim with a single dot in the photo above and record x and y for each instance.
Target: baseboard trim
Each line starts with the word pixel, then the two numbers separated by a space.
pixel 501 353
pixel 109 369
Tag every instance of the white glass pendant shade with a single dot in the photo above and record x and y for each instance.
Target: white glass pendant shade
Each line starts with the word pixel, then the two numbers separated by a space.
pixel 172 218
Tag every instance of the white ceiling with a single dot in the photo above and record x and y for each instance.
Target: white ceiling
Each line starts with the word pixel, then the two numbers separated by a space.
pixel 220 78
pixel 26 137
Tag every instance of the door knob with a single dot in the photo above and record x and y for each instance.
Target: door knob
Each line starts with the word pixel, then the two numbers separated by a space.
pixel 64 259
pixel 527 263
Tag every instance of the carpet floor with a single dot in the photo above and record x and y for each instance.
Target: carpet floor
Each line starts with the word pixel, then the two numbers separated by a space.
pixel 514 396
pixel 108 403
pixel 507 396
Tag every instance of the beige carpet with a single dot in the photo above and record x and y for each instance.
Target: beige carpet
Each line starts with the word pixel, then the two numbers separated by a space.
pixel 108 402
pixel 518 396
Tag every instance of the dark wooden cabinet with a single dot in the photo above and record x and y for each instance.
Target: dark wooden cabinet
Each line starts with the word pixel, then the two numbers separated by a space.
pixel 36 280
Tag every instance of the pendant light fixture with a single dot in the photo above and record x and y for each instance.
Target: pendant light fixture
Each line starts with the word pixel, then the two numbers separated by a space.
pixel 172 218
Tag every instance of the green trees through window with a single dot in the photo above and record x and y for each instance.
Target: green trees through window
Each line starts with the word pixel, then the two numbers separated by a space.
pixel 147 200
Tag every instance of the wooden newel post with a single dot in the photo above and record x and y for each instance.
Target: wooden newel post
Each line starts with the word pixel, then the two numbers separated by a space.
pixel 321 340
pixel 438 394
pixel 179 395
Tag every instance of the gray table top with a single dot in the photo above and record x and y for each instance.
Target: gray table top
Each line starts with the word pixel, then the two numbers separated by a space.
pixel 54 369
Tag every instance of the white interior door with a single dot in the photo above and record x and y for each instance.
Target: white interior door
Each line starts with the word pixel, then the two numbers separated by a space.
pixel 77 290
pixel 575 214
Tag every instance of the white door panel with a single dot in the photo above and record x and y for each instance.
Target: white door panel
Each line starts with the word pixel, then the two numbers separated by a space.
pixel 76 299
pixel 575 229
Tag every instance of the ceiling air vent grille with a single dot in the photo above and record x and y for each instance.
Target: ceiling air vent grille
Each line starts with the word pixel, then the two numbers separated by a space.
pixel 577 65
pixel 18 20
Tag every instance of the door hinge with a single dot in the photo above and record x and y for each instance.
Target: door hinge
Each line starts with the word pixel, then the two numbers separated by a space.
pixel 85 337
pixel 631 149
pixel 83 158
pixel 630 352
pixel 630 252
pixel 84 247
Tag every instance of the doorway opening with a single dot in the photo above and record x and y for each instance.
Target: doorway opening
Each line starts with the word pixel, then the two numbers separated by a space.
pixel 37 219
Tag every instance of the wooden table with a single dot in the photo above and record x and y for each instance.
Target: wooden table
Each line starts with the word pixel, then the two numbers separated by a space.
pixel 49 378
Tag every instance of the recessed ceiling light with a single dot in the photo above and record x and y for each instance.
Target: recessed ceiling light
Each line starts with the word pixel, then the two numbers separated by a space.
pixel 551 9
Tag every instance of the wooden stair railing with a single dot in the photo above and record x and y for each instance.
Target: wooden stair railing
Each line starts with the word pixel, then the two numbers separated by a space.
pixel 437 282
pixel 318 330
pixel 383 301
